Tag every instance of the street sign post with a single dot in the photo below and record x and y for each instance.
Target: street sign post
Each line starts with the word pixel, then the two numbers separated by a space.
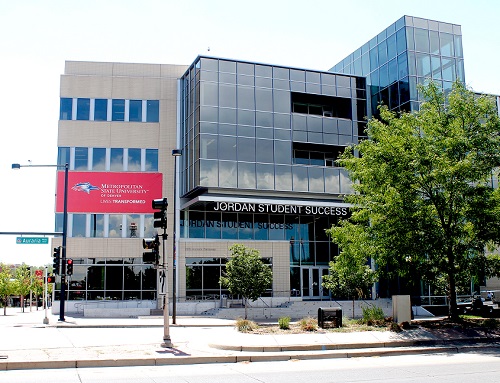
pixel 32 240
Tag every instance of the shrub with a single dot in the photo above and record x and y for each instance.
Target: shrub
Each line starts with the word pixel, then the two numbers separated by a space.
pixel 308 324
pixel 284 323
pixel 245 325
pixel 490 324
pixel 372 315
pixel 395 327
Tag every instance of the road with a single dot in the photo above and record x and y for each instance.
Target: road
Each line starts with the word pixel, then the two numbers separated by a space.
pixel 437 368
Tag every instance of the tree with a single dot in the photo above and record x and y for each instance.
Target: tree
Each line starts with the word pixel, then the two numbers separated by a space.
pixel 23 282
pixel 424 205
pixel 349 273
pixel 7 287
pixel 246 274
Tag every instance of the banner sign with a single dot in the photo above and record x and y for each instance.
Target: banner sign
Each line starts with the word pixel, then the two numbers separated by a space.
pixel 109 192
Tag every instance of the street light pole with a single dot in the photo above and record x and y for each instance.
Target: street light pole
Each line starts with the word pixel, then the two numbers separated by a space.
pixel 65 229
pixel 176 153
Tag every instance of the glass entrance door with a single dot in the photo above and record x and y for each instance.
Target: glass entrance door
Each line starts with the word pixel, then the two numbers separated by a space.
pixel 311 280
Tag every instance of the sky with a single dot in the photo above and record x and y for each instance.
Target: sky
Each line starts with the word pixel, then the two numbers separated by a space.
pixel 37 37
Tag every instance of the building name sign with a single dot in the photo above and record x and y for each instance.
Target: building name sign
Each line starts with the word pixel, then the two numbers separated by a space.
pixel 280 208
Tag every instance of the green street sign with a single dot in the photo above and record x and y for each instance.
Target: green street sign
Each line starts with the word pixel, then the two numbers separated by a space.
pixel 32 240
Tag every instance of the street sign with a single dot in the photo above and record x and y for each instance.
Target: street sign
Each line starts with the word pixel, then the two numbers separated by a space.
pixel 32 240
pixel 162 280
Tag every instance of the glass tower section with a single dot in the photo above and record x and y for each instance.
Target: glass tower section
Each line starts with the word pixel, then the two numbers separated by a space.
pixel 250 126
pixel 409 52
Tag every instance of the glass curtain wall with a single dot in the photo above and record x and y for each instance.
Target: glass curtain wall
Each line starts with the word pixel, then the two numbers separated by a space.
pixel 409 52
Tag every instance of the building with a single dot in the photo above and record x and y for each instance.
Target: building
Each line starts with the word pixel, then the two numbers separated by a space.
pixel 257 146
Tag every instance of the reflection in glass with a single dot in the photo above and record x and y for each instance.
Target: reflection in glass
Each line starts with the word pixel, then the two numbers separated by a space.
pixel 115 226
pixel 246 175
pixel 118 110
pixel 83 109
pixel 135 111
pixel 100 109
pixel 66 108
pixel 151 160
pixel 134 160
pixel 99 159
pixel 227 174
pixel 229 226
pixel 97 225
pixel 116 159
pixel 81 158
pixel 79 225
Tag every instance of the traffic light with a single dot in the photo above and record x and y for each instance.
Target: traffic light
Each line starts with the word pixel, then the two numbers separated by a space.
pixel 51 279
pixel 152 244
pixel 160 217
pixel 69 267
pixel 57 260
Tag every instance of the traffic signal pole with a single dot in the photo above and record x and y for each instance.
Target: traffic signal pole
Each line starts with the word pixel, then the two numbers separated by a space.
pixel 63 251
pixel 160 221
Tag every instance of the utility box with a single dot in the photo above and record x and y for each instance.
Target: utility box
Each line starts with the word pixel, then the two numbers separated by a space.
pixel 401 308
pixel 329 317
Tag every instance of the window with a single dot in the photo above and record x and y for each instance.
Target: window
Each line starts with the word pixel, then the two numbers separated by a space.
pixel 118 110
pixel 83 109
pixel 66 109
pixel 100 109
pixel 81 158
pixel 116 161
pixel 134 160
pixel 99 159
pixel 151 160
pixel 135 111
pixel 153 111
pixel 326 106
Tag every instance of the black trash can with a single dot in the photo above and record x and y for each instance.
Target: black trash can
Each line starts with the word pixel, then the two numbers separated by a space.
pixel 329 317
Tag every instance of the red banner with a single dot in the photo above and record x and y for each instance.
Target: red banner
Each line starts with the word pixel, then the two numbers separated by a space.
pixel 106 192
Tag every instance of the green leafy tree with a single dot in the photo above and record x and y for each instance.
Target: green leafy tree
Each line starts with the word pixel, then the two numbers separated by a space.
pixel 23 282
pixel 424 204
pixel 349 273
pixel 246 274
pixel 7 286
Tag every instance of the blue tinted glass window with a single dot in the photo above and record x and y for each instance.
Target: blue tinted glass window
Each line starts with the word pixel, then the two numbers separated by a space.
pixel 393 71
pixel 81 158
pixel 153 111
pixel 134 160
pixel 151 160
pixel 79 224
pixel 83 108
pixel 63 156
pixel 118 110
pixel 97 225
pixel 66 109
pixel 135 111
pixel 402 66
pixel 100 109
pixel 446 42
pixel 99 159
pixel 373 58
pixel 382 53
pixel 422 40
pixel 401 40
pixel 392 50
pixel 116 160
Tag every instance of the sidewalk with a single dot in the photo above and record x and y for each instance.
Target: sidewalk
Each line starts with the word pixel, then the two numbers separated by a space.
pixel 27 342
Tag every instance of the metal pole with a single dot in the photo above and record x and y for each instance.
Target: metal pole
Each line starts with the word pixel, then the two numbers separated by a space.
pixel 174 250
pixel 45 298
pixel 63 252
pixel 167 343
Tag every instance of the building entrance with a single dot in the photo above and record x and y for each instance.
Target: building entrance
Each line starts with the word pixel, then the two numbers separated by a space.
pixel 311 282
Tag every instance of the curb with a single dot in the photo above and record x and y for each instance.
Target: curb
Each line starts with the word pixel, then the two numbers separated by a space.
pixel 266 354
